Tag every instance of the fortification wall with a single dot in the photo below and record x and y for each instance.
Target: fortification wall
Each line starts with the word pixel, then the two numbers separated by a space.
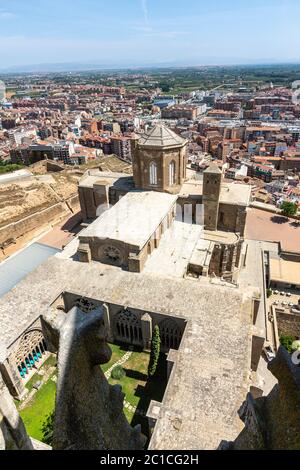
pixel 10 233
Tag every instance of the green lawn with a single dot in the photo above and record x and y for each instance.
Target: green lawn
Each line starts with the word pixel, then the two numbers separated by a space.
pixel 136 376
pixel 41 405
pixel 50 362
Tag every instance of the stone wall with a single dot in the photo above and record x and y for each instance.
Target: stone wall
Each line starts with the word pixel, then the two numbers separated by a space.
pixel 232 218
pixel 38 221
pixel 42 218
pixel 288 323
pixel 225 260
pixel 113 310
pixel 162 157
pixel 30 208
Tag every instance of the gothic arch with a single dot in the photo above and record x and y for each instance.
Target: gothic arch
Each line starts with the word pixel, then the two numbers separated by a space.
pixel 31 349
pixel 170 334
pixel 153 173
pixel 128 327
pixel 172 173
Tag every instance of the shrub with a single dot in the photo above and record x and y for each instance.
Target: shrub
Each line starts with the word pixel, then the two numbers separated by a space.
pixel 289 208
pixel 155 351
pixel 118 373
pixel 269 292
pixel 47 429
pixel 287 342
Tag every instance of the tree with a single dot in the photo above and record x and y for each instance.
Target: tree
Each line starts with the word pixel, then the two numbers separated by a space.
pixel 155 351
pixel 269 293
pixel 289 208
pixel 165 87
pixel 287 342
pixel 47 429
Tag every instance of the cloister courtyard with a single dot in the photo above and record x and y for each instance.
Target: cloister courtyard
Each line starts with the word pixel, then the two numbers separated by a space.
pixel 139 389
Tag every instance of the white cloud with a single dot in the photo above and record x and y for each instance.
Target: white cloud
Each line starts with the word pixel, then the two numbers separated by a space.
pixel 165 34
pixel 145 10
pixel 6 15
pixel 143 29
pixel 151 32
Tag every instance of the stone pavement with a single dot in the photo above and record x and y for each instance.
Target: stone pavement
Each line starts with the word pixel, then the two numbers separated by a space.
pixel 176 247
pixel 265 226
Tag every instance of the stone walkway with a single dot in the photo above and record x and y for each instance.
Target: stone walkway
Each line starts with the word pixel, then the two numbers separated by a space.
pixel 120 362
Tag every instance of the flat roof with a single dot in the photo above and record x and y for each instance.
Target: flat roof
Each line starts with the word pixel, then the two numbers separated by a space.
pixel 285 271
pixel 235 193
pixel 133 220
pixel 219 236
pixel 15 268
pixel 92 176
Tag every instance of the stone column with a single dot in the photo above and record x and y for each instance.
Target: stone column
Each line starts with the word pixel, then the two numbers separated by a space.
pixel 84 253
pixel 146 322
pixel 13 435
pixel 171 360
pixel 106 318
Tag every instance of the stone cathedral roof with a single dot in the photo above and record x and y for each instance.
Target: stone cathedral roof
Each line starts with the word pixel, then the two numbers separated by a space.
pixel 161 136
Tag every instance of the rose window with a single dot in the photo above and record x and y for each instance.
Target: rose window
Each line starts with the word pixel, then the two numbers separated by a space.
pixel 112 253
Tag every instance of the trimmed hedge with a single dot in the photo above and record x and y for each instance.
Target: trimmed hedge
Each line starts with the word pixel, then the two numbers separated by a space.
pixel 118 373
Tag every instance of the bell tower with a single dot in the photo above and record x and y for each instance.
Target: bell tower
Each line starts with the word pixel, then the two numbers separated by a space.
pixel 212 178
pixel 159 160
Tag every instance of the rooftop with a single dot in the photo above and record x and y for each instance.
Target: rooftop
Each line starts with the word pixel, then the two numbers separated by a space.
pixel 133 220
pixel 161 136
pixel 236 194
pixel 213 168
pixel 286 271
pixel 120 180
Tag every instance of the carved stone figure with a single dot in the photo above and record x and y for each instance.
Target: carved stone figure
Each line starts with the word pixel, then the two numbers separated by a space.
pixel 272 422
pixel 89 412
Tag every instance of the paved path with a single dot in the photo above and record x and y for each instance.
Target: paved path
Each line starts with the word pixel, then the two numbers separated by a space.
pixel 175 250
pixel 120 362
pixel 262 225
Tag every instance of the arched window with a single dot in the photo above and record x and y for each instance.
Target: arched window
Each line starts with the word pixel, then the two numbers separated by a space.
pixel 30 350
pixel 170 334
pixel 153 174
pixel 128 327
pixel 172 169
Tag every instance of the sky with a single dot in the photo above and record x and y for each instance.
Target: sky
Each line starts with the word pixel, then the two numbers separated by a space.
pixel 146 32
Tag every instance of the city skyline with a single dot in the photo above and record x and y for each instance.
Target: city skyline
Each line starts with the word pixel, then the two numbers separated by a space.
pixel 148 33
